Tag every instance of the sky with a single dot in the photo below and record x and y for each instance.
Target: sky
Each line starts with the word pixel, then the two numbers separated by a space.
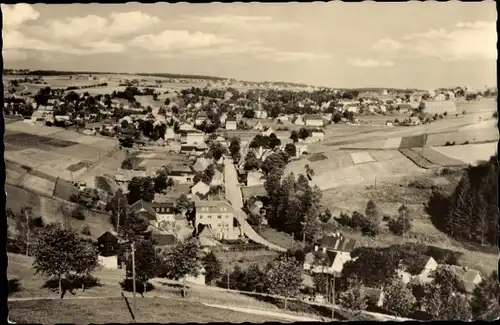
pixel 422 45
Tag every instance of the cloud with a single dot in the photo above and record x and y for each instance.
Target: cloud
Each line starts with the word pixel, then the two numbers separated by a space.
pixel 94 27
pixel 291 56
pixel 245 22
pixel 172 40
pixel 370 63
pixel 16 15
pixel 467 41
pixel 387 44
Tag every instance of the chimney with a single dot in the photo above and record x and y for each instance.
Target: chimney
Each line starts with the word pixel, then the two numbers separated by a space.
pixel 316 248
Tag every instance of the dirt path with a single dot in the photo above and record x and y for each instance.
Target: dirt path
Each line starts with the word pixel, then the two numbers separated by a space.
pixel 265 313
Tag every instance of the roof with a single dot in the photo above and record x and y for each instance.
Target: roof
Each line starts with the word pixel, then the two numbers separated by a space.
pixel 338 243
pixel 214 206
pixel 201 188
pixel 164 239
pixel 405 106
pixel 141 204
pixel 314 117
pixel 180 168
pixel 467 276
pixel 201 164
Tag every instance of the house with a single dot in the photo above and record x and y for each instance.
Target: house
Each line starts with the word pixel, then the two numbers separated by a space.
pixel 206 237
pixel 411 270
pixel 219 216
pixel 181 173
pixel 218 178
pixel 469 277
pixel 194 137
pixel 201 189
pixel 440 96
pixel 260 113
pixel 319 135
pixel 185 127
pixel 414 120
pixel 375 296
pixel 109 246
pixel 231 124
pixel 301 148
pixel 201 164
pixel 194 150
pixel 143 209
pixel 314 120
pixel 384 92
pixel 200 118
pixel 283 118
pixel 255 178
pixel 258 126
pixel 351 108
pixel 169 134
pixel 337 242
pixel 299 120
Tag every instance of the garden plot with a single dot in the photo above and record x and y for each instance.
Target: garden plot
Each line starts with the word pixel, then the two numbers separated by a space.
pixel 469 154
pixel 38 184
pixel 54 171
pixel 353 144
pixel 382 155
pixel 30 128
pixel 361 157
pixel 33 157
pixel 412 141
pixel 392 143
pixel 438 158
pixel 105 143
pixel 83 152
pixel 27 140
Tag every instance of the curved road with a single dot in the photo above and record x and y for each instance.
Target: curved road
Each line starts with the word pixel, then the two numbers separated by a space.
pixel 234 196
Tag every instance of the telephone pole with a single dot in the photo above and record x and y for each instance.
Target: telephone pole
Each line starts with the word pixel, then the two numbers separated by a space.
pixel 118 213
pixel 133 278
pixel 27 232
pixel 333 298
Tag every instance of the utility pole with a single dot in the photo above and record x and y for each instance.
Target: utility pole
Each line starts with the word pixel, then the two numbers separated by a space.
pixel 227 272
pixel 133 278
pixel 333 298
pixel 118 213
pixel 27 232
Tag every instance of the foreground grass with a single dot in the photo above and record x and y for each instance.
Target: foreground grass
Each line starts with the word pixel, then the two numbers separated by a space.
pixel 115 310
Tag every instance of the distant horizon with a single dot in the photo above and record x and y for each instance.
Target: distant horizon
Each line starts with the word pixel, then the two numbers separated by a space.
pixel 439 45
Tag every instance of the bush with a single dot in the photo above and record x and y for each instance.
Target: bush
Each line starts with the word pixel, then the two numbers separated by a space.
pixel 13 286
pixel 78 213
pixel 73 282
pixel 422 184
pixel 127 285
pixel 399 226
pixel 448 143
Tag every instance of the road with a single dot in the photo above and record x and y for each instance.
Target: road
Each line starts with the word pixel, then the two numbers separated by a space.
pixel 234 196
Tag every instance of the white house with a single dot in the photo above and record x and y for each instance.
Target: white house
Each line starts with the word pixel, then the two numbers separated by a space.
pixel 200 118
pixel 260 113
pixel 384 92
pixel 440 96
pixel 319 135
pixel 185 127
pixel 231 124
pixel 258 126
pixel 299 120
pixel 200 188
pixel 194 137
pixel 169 134
pixel 314 120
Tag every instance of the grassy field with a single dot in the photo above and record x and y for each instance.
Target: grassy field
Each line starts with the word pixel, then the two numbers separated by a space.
pixel 389 197
pixel 245 258
pixel 115 310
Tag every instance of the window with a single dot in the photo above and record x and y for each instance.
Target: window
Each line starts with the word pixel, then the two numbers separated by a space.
pixel 219 217
pixel 227 217
pixel 201 217
pixel 209 217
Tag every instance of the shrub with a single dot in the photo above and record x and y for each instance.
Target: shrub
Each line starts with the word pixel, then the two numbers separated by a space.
pixel 422 184
pixel 399 226
pixel 85 230
pixel 127 285
pixel 13 286
pixel 78 213
pixel 448 143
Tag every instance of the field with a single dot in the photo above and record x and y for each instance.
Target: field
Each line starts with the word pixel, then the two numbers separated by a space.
pixel 469 154
pixel 115 310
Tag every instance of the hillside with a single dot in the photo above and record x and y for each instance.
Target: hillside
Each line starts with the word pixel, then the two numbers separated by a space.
pixel 50 209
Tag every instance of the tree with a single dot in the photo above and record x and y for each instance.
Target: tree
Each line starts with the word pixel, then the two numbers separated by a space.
pixel 337 118
pixel 325 216
pixel 251 161
pixel 146 262
pixel 234 149
pixel 253 279
pixel 183 202
pixel 212 267
pixel 354 297
pixel 59 252
pixel 485 294
pixel 321 281
pixel 294 136
pixel 399 299
pixel 275 162
pixel 291 150
pixel 373 219
pixel 402 224
pixel 452 307
pixel 274 141
pixel 132 225
pixel 303 133
pixel 183 259
pixel 160 181
pixel 373 267
pixel 141 188
pixel 284 277
pixel 217 150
